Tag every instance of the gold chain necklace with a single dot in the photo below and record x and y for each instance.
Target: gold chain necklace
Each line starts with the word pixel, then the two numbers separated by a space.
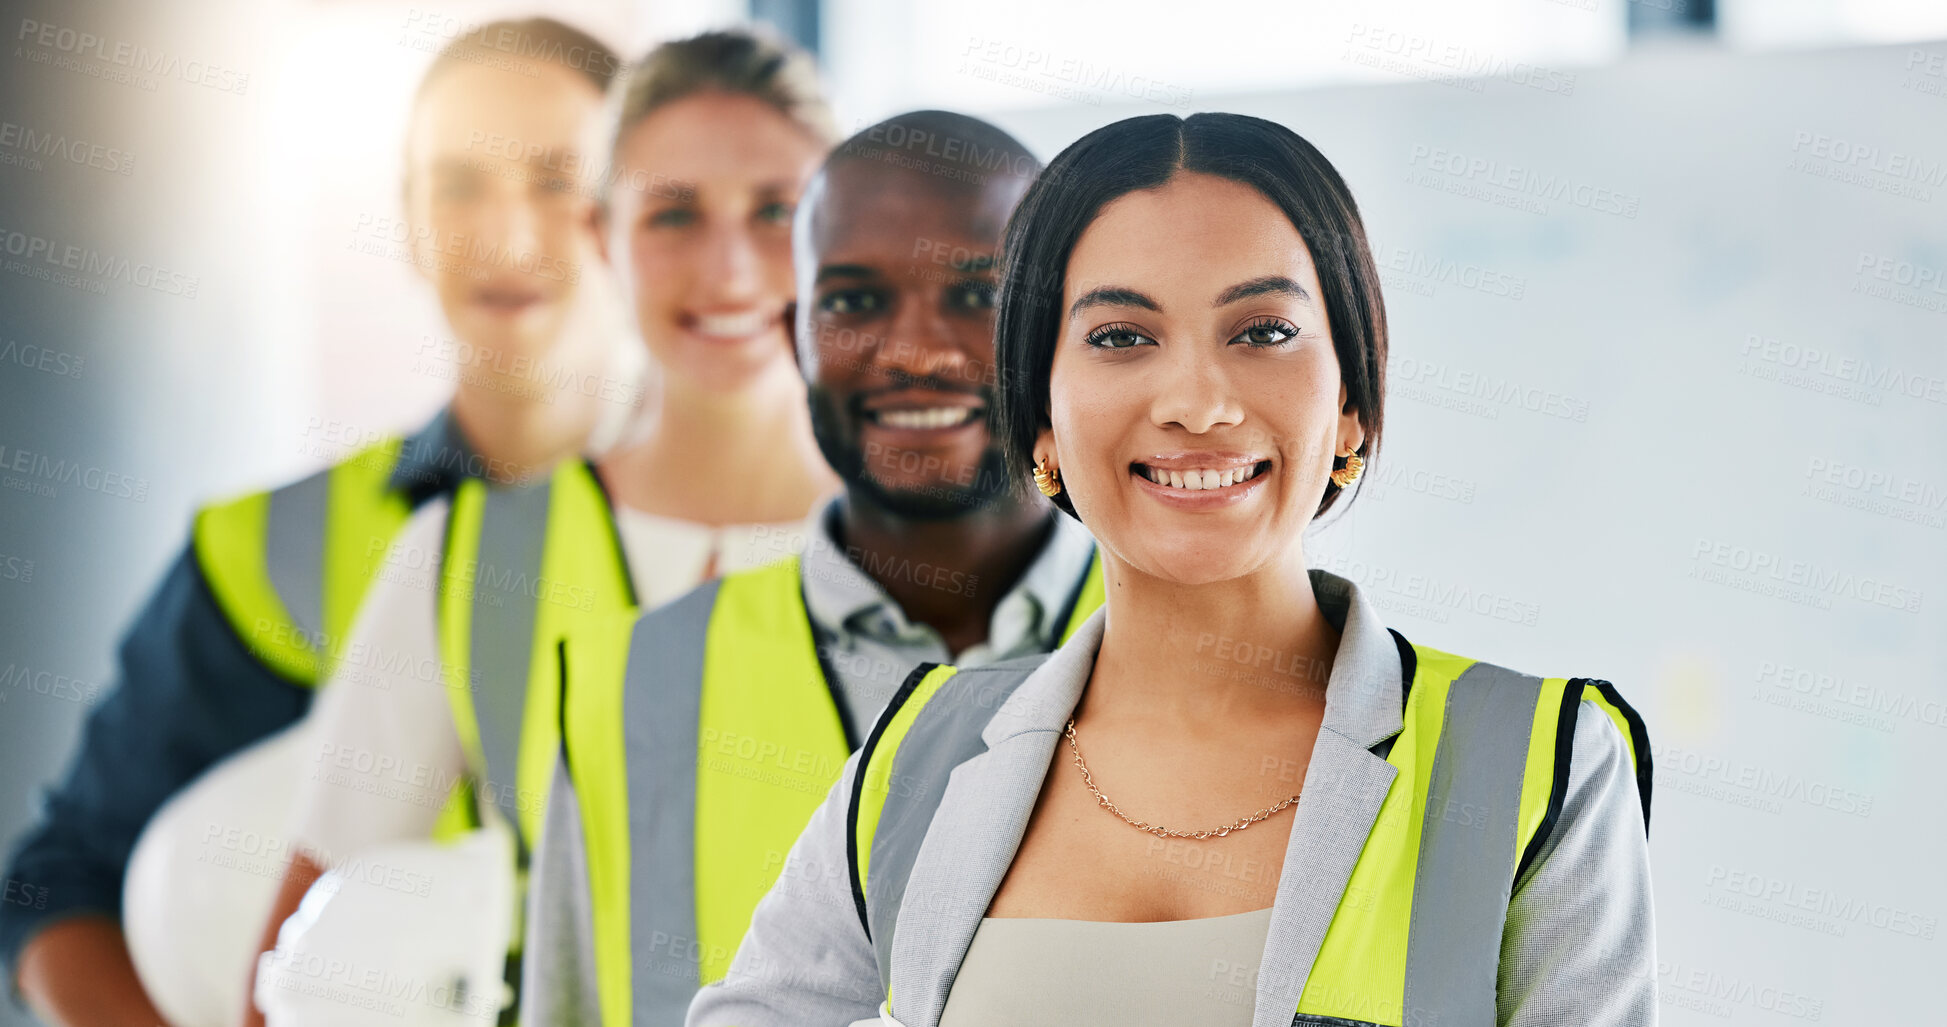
pixel 1157 829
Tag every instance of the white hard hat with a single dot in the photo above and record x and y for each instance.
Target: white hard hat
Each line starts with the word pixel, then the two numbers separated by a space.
pixel 201 879
pixel 409 934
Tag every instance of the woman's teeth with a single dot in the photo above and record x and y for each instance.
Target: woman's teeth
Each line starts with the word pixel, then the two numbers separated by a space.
pixel 1196 479
pixel 930 417
pixel 732 326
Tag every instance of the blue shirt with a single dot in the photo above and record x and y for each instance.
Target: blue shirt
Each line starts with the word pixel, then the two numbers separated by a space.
pixel 191 694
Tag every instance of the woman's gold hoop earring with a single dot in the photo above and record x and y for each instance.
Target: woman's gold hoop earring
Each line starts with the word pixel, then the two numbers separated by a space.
pixel 1345 476
pixel 1046 478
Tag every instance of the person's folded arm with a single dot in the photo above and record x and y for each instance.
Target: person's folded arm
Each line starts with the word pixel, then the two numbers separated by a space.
pixel 806 961
pixel 1580 942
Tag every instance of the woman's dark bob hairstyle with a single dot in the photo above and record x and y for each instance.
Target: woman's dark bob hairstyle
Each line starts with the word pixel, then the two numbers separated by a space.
pixel 1144 153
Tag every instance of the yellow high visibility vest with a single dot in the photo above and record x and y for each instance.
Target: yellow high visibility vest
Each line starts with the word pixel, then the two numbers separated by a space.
pixel 289 566
pixel 522 567
pixel 1417 933
pixel 700 739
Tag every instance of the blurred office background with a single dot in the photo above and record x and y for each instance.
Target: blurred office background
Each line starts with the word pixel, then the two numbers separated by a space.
pixel 1667 284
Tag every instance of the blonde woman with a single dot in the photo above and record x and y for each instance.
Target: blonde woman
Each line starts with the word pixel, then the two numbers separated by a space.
pixel 1233 796
pixel 715 138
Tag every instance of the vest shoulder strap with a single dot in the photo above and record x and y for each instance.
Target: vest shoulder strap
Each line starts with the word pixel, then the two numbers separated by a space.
pixel 701 740
pixel 774 742
pixel 288 566
pixel 1552 748
pixel 521 566
pixel 932 724
pixel 1476 757
pixel 1547 721
pixel 629 738
pixel 872 783
pixel 1483 759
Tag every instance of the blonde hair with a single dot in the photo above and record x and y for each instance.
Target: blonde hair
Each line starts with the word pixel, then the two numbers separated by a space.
pixel 740 62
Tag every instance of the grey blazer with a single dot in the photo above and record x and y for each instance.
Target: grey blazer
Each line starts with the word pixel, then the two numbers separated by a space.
pixel 1579 945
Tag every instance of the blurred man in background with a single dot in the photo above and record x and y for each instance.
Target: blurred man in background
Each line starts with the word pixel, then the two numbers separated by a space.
pixel 501 213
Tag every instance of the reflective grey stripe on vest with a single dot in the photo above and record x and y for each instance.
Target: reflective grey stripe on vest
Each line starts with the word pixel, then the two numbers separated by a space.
pixel 945 734
pixel 1468 845
pixel 662 698
pixel 558 976
pixel 294 542
pixel 513 534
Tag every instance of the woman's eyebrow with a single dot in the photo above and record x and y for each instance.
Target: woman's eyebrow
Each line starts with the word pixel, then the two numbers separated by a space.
pixel 1266 285
pixel 1111 296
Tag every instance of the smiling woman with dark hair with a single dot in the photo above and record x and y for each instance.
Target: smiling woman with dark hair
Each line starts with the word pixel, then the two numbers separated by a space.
pixel 1233 796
